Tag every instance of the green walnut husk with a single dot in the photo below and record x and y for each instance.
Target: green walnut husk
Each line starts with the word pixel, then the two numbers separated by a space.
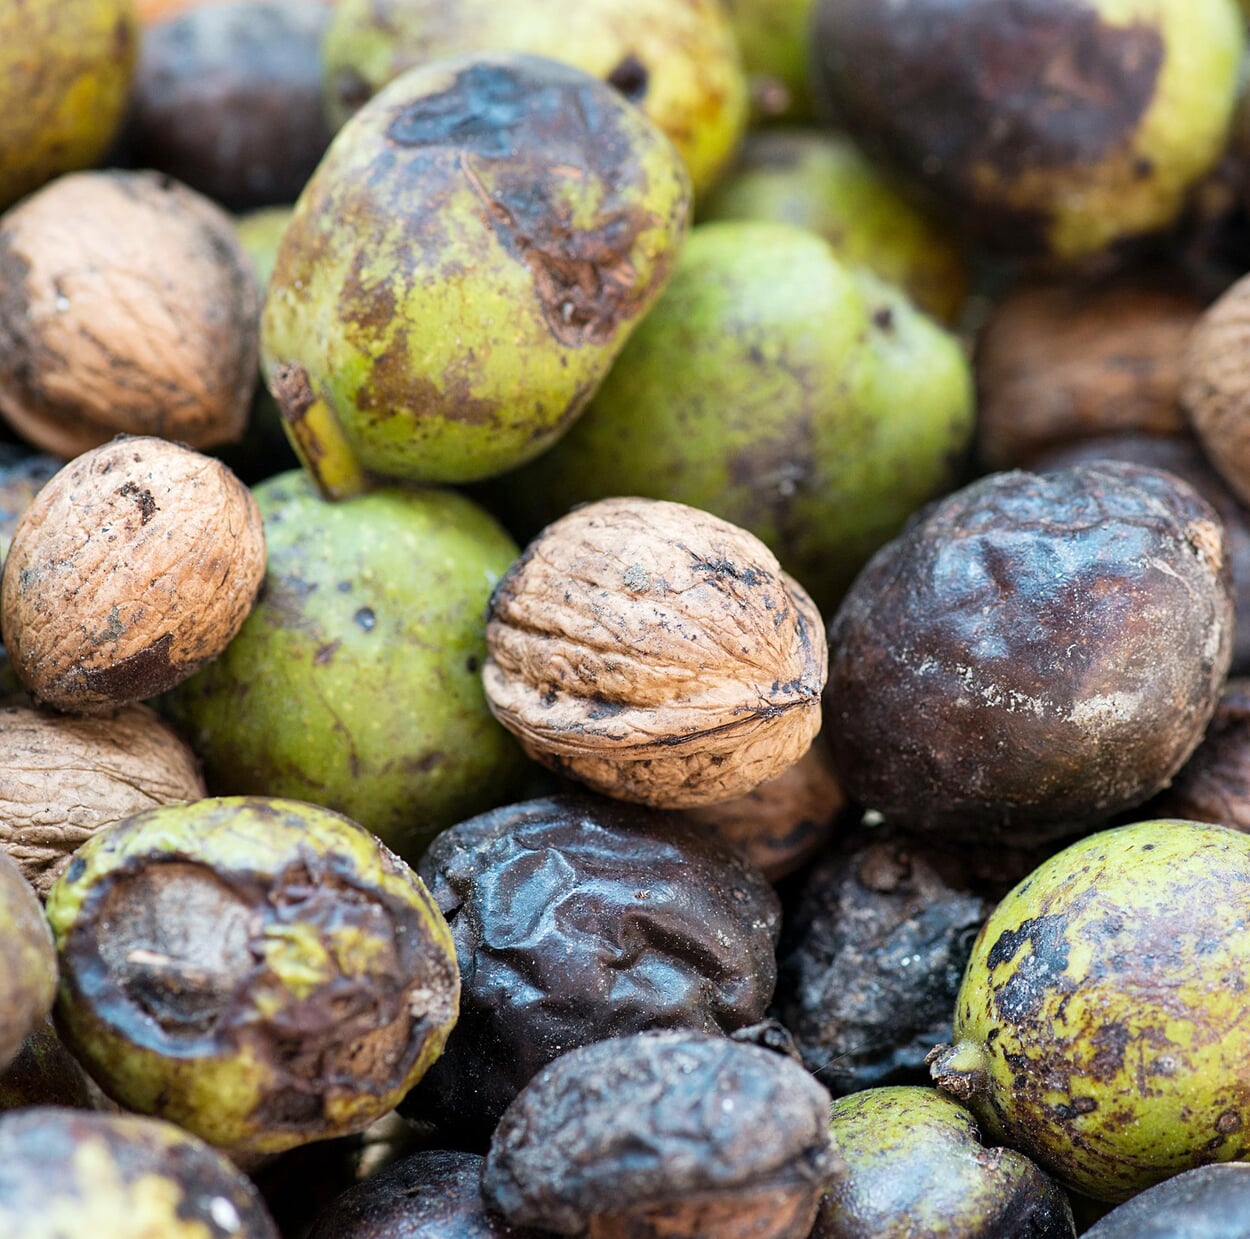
pixel 778 388
pixel 463 267
pixel 677 60
pixel 914 1162
pixel 355 681
pixel 823 181
pixel 1055 131
pixel 27 961
pixel 261 972
pixel 65 69
pixel 773 37
pixel 1103 1023
pixel 118 1176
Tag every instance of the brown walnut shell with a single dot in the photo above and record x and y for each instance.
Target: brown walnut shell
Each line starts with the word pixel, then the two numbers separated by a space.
pixel 64 778
pixel 134 566
pixel 126 304
pixel 1062 361
pixel 1215 386
pixel 656 653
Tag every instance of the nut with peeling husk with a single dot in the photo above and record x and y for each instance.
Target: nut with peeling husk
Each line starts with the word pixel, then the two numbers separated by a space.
pixel 1215 389
pixel 1063 361
pixel 128 306
pixel 656 653
pixel 261 972
pixel 62 778
pixel 27 961
pixel 134 566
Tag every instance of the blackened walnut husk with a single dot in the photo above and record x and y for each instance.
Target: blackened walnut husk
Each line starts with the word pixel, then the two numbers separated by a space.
pixel 114 1176
pixel 1214 784
pixel 665 1134
pixel 1182 456
pixel 575 919
pixel 44 1073
pixel 872 954
pixel 435 1195
pixel 227 98
pixel 1035 653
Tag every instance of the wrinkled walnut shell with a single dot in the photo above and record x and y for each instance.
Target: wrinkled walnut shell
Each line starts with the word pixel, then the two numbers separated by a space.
pixel 134 566
pixel 656 653
pixel 64 778
pixel 1057 362
pixel 126 304
pixel 1215 386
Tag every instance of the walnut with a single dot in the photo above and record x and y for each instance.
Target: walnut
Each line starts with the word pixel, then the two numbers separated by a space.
pixel 784 822
pixel 656 653
pixel 126 304
pixel 133 567
pixel 1214 386
pixel 1062 361
pixel 63 778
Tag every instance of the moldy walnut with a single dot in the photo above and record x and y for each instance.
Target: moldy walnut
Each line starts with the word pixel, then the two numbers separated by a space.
pixel 656 653
pixel 133 567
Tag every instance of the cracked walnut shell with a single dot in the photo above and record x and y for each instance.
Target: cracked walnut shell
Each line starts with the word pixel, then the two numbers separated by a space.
pixel 133 567
pixel 656 653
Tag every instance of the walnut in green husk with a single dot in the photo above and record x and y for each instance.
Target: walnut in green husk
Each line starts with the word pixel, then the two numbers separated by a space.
pixel 115 1176
pixel 262 972
pixel 27 961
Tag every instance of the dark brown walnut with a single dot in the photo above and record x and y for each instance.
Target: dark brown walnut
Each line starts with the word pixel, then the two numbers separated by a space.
pixel 114 1176
pixel 1183 457
pixel 1214 784
pixel 1211 1202
pixel 874 948
pixel 63 777
pixel 656 653
pixel 134 566
pixel 782 823
pixel 126 305
pixel 1033 654
pixel 435 1195
pixel 45 1073
pixel 1063 361
pixel 28 969
pixel 1215 387
pixel 227 98
pixel 673 1134
pixel 577 919
pixel 20 481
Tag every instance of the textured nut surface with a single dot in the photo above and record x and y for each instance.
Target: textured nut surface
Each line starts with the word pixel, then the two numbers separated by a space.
pixel 1063 361
pixel 62 778
pixel 1215 386
pixel 134 566
pixel 655 652
pixel 126 304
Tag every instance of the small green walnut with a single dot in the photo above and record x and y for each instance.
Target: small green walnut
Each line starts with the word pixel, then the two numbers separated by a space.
pixel 65 68
pixel 118 1176
pixel 1103 1023
pixel 916 1164
pixel 464 265
pixel 261 972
